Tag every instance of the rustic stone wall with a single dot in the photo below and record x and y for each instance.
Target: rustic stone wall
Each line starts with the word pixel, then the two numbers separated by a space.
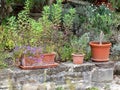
pixel 67 75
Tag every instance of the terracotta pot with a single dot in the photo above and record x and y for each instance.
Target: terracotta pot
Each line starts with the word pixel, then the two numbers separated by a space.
pixel 26 61
pixel 77 58
pixel 100 52
pixel 48 58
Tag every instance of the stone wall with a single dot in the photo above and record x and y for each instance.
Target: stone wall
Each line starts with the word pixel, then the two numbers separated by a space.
pixel 67 75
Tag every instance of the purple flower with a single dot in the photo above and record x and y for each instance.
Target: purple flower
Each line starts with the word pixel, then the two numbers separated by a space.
pixel 28 48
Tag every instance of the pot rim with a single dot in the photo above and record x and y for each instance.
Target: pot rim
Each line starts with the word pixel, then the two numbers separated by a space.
pixel 52 53
pixel 73 54
pixel 96 43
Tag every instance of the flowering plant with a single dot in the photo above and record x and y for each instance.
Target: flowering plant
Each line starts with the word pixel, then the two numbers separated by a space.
pixel 32 53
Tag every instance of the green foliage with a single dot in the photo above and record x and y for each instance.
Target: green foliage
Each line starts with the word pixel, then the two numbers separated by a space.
pixel 3 56
pixel 1 38
pixel 24 27
pixel 80 44
pixel 35 32
pixel 59 88
pixel 46 12
pixel 29 30
pixel 99 19
pixel 65 52
pixel 115 3
pixel 116 50
pixel 93 88
pixel 56 12
pixel 68 19
pixel 9 34
pixel 28 4
pixel 70 84
pixel 48 48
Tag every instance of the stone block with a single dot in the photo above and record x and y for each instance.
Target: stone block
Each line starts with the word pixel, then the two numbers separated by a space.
pixel 117 68
pixel 29 87
pixel 102 75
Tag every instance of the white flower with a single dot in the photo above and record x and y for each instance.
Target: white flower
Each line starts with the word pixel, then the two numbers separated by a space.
pixel 109 14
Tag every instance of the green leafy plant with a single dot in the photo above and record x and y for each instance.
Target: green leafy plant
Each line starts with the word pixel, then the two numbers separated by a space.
pixel 100 19
pixel 10 33
pixel 65 53
pixel 68 19
pixel 116 50
pixel 115 3
pixel 2 63
pixel 35 32
pixel 56 13
pixel 80 44
pixel 49 48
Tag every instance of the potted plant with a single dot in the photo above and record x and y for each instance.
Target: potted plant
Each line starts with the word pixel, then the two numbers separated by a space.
pixel 100 50
pixel 28 57
pixel 49 54
pixel 79 46
pixel 100 24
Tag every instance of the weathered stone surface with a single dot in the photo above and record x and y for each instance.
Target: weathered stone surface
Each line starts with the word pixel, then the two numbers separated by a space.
pixel 102 75
pixel 86 74
pixel 29 87
pixel 4 84
pixel 109 64
pixel 79 68
pixel 117 68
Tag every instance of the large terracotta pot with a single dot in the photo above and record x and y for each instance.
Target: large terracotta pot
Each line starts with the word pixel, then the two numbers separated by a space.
pixel 100 52
pixel 77 58
pixel 49 58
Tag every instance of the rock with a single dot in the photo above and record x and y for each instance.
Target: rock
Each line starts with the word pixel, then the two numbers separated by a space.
pixel 102 75
pixel 30 87
pixel 117 68
pixel 80 76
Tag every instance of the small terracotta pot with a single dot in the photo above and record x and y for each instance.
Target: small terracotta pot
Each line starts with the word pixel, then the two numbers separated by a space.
pixel 100 52
pixel 77 58
pixel 49 58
